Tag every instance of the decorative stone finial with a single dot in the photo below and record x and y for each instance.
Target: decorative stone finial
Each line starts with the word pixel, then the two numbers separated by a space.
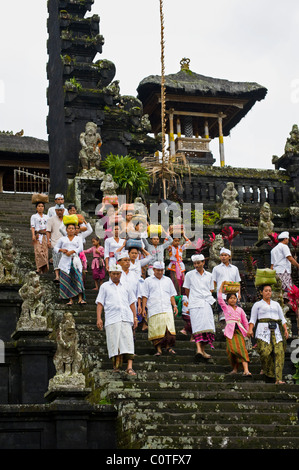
pixel 185 63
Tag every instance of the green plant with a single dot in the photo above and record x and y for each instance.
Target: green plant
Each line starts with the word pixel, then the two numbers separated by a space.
pixel 128 173
pixel 204 217
pixel 74 82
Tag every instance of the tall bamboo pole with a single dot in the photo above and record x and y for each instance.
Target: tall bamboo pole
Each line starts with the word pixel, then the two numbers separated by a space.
pixel 163 94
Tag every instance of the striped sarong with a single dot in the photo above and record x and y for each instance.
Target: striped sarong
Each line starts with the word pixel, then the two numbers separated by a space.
pixel 71 284
pixel 236 349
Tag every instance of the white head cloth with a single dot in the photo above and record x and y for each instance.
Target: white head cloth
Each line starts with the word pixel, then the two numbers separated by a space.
pixel 226 251
pixel 123 254
pixel 159 265
pixel 59 195
pixel 283 235
pixel 197 258
pixel 115 268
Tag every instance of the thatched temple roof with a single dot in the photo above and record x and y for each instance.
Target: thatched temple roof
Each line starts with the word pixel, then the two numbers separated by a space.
pixel 189 91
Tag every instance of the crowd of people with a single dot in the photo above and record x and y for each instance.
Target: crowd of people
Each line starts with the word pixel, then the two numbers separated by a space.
pixel 135 287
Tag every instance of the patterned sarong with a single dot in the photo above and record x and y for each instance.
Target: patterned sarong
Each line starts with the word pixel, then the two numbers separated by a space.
pixel 286 282
pixel 272 356
pixel 41 254
pixel 71 284
pixel 236 349
pixel 204 337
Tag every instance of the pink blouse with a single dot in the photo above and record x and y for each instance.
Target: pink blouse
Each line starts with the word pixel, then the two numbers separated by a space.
pixel 95 261
pixel 233 317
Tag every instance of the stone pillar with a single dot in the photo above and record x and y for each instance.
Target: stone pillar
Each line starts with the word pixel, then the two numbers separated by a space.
pixel 35 351
pixel 10 307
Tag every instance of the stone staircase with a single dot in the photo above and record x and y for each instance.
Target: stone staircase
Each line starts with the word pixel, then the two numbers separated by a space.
pixel 173 402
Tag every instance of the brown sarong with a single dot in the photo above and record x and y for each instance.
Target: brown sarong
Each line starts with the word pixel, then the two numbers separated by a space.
pixel 41 254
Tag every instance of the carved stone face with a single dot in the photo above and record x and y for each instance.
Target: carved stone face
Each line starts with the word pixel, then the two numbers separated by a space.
pixel 35 281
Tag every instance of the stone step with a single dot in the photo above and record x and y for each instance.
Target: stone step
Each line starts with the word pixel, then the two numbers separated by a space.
pixel 230 407
pixel 147 416
pixel 249 386
pixel 221 395
pixel 214 442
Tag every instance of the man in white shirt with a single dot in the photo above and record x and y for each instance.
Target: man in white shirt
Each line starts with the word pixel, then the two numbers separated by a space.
pixel 225 271
pixel 158 295
pixel 199 286
pixel 281 262
pixel 118 302
pixel 59 199
pixel 53 235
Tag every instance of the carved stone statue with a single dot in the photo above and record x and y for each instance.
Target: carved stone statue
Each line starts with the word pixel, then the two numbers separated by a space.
pixel 8 257
pixel 91 141
pixel 139 207
pixel 214 252
pixel 108 186
pixel 230 206
pixel 33 307
pixel 292 143
pixel 67 359
pixel 266 225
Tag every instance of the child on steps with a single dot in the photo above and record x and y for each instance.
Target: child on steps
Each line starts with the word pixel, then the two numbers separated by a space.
pixel 97 265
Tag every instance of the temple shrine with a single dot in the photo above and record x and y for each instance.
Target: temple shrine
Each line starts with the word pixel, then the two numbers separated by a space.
pixel 198 110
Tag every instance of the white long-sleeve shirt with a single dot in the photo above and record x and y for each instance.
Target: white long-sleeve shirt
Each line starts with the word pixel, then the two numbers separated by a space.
pixel 110 247
pixel 70 245
pixel 261 310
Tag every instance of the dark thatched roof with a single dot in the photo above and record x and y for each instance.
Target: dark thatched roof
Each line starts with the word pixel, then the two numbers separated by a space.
pixel 191 85
pixel 11 144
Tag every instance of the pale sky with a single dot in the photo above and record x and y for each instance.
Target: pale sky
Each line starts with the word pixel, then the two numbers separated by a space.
pixel 238 40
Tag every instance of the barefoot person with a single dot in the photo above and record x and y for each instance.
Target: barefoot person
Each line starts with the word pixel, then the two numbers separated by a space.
pixel 271 334
pixel 199 286
pixel 235 331
pixel 118 303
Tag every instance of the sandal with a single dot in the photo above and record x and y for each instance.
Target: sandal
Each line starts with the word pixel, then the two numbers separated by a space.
pixel 171 351
pixel 81 302
pixel 248 374
pixel 70 302
pixel 130 372
pixel 158 354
